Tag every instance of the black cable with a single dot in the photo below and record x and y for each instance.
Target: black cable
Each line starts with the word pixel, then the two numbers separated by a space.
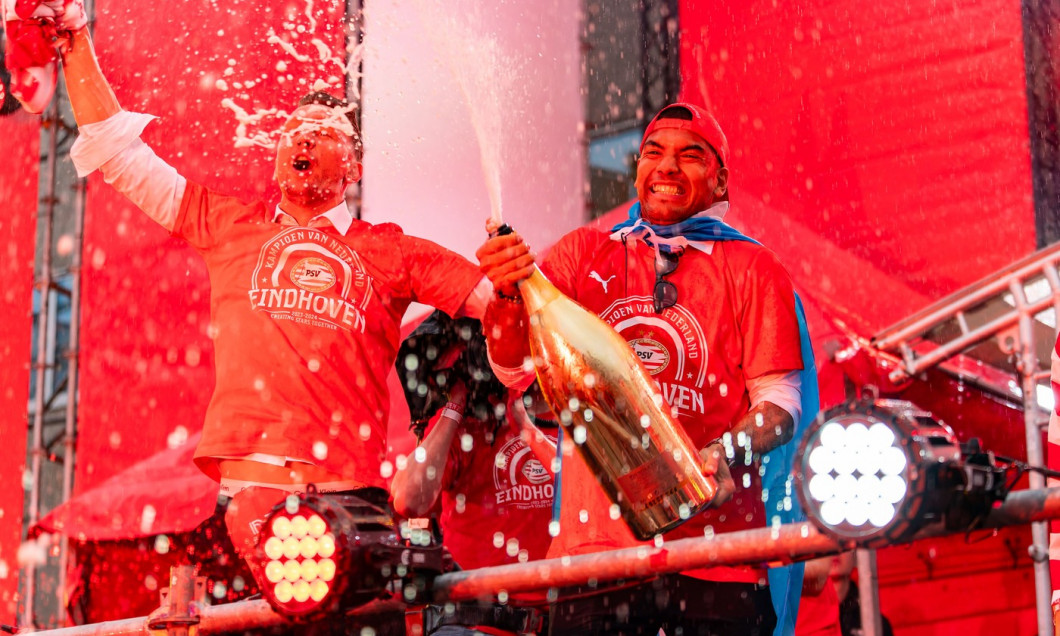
pixel 1025 467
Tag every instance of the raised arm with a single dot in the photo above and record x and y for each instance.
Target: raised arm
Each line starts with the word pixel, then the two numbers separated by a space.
pixel 108 138
pixel 506 260
pixel 91 96
pixel 416 488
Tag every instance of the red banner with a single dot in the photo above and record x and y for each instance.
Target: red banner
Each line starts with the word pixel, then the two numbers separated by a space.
pixel 18 229
pixel 888 141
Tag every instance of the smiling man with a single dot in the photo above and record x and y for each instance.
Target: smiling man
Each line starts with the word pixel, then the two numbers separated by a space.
pixel 712 315
pixel 306 301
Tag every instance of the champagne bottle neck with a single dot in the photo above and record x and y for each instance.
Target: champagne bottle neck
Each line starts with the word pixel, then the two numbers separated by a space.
pixel 537 292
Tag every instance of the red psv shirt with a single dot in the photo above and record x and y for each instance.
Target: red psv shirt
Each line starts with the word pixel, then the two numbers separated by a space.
pixel 734 318
pixel 496 499
pixel 306 326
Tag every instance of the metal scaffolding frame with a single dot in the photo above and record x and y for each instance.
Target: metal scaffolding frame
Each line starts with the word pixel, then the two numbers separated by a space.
pixel 660 55
pixel 53 400
pixel 1006 325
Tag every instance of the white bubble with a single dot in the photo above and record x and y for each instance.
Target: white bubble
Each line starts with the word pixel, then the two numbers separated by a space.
pixel 579 434
pixel 832 512
pixel 881 513
pixel 832 436
pixel 65 245
pixel 386 469
pixel 822 487
pixel 147 519
pixel 857 512
pixel 34 552
pixel 177 437
pixel 320 450
pixel 892 489
pixel 880 436
pixel 892 461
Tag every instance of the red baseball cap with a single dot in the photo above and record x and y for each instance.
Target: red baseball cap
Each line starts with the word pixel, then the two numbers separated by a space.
pixel 690 117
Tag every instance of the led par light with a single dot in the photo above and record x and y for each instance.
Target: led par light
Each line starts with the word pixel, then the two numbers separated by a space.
pixel 327 554
pixel 875 472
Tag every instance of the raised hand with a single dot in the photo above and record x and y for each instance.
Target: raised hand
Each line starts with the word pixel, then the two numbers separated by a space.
pixel 506 260
pixel 34 30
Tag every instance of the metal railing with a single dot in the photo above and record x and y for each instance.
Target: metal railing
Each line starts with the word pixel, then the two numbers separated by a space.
pixel 183 607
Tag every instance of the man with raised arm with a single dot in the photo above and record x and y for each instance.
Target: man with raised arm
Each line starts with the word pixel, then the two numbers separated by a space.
pixel 306 301
pixel 713 317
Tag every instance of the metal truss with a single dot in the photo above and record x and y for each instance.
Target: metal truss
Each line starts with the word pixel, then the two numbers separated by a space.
pixel 53 405
pixel 997 334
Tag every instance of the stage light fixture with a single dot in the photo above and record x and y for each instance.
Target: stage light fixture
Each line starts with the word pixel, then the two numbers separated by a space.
pixel 327 554
pixel 874 472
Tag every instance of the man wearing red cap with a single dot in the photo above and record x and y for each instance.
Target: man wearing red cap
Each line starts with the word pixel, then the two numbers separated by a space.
pixel 713 317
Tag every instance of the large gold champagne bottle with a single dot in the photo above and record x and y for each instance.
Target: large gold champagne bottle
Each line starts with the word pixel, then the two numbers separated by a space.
pixel 608 403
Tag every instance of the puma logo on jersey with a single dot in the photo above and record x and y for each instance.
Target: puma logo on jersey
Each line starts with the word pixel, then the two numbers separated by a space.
pixel 593 275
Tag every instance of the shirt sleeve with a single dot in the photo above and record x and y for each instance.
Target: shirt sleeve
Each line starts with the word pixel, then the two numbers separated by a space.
pixel 563 261
pixel 475 304
pixel 768 321
pixel 438 277
pixel 129 165
pixel 782 389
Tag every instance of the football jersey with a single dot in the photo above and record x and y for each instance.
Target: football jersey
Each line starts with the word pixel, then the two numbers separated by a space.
pixel 496 498
pixel 734 318
pixel 306 325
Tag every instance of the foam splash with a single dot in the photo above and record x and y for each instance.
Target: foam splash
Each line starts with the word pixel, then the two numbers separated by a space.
pixel 328 72
pixel 247 136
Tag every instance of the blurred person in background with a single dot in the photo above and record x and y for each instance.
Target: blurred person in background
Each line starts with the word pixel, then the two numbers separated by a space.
pixel 481 467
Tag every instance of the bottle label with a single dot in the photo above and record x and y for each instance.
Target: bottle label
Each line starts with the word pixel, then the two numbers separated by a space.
pixel 643 486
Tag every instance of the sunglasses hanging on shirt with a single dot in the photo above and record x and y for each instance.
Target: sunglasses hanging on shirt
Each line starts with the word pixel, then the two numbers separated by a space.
pixel 664 295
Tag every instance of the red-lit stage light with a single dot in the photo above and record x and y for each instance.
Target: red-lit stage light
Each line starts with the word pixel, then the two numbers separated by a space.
pixel 329 554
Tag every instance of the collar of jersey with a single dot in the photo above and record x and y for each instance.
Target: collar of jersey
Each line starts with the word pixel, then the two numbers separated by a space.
pixel 339 217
